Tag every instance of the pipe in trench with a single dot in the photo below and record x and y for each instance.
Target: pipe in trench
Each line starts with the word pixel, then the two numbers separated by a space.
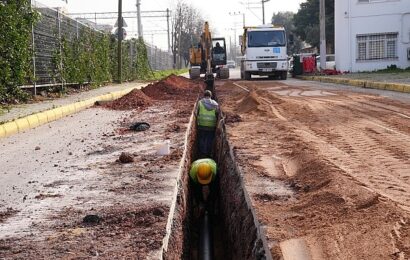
pixel 205 238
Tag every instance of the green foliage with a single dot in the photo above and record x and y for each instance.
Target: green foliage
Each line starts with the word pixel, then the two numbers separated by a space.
pixel 85 59
pixel 285 19
pixel 158 75
pixel 16 19
pixel 143 69
pixel 306 22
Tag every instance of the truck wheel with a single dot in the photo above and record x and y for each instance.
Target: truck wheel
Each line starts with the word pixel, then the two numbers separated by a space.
pixel 247 75
pixel 194 73
pixel 224 73
pixel 284 75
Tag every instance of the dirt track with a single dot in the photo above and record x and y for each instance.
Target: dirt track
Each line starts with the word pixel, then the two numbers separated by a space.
pixel 328 171
pixel 65 195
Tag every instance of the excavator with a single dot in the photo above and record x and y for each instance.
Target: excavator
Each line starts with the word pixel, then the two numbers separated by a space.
pixel 207 58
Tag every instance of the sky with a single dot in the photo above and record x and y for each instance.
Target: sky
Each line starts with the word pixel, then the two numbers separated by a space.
pixel 219 13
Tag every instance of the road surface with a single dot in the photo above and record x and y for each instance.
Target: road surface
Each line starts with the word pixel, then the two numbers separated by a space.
pixel 327 166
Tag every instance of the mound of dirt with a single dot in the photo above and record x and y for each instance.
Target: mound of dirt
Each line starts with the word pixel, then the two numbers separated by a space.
pixel 249 103
pixel 133 100
pixel 175 88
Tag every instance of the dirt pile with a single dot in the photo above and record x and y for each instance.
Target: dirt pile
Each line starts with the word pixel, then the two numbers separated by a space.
pixel 174 88
pixel 136 99
pixel 249 103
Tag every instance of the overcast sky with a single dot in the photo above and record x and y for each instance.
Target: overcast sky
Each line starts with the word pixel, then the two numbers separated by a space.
pixel 217 12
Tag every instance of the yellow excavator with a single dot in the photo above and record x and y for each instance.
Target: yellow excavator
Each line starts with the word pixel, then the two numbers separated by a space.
pixel 208 57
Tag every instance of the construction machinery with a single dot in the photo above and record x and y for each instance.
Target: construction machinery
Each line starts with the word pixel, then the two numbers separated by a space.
pixel 208 57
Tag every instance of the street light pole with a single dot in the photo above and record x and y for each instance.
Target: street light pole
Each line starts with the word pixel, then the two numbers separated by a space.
pixel 263 10
pixel 120 36
pixel 140 34
pixel 322 35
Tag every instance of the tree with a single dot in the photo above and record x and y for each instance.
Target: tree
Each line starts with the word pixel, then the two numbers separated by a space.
pixel 306 22
pixel 285 19
pixel 187 24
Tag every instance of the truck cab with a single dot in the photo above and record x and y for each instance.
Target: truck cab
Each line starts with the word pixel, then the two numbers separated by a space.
pixel 265 52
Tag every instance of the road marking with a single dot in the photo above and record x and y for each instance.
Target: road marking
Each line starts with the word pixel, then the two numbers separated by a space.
pixel 389 129
pixel 244 88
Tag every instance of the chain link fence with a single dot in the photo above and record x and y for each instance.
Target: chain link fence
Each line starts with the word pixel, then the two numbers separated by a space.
pixel 54 29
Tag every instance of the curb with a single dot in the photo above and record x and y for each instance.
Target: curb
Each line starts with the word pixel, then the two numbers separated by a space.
pixel 47 116
pixel 404 88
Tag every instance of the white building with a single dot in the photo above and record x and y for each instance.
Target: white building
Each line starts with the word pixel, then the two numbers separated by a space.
pixel 372 34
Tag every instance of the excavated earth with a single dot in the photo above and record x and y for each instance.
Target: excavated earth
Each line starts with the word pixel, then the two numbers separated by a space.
pixel 328 172
pixel 68 196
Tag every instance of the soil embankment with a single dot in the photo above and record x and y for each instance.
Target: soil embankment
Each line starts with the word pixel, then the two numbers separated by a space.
pixel 327 171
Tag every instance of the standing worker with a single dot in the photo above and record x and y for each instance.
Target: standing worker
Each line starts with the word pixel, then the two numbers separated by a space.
pixel 202 174
pixel 207 115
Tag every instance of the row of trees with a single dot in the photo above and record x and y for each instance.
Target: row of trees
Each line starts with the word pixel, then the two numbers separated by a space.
pixel 187 26
pixel 304 24
pixel 90 57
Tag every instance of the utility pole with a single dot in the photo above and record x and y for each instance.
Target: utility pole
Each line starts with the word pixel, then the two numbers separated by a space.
pixel 169 39
pixel 239 13
pixel 263 10
pixel 140 34
pixel 322 17
pixel 120 36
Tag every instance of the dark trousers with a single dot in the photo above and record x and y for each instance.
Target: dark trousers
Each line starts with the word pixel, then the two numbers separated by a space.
pixel 205 142
pixel 198 195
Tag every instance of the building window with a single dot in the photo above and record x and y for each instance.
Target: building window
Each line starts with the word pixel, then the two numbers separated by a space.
pixel 377 46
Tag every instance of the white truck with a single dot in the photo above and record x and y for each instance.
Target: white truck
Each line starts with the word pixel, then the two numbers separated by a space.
pixel 264 50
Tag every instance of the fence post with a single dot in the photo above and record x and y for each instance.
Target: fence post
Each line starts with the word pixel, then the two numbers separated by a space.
pixel 34 58
pixel 60 48
pixel 131 67
pixel 155 58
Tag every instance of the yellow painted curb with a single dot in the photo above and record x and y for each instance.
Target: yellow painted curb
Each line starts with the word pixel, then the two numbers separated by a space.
pixel 33 121
pixel 2 131
pixel 42 118
pixel 22 124
pixel 28 122
pixel 376 85
pixel 58 112
pixel 51 116
pixel 11 128
pixel 405 88
pixel 395 87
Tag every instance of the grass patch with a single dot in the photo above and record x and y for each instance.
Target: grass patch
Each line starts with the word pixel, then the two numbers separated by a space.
pixel 158 75
pixel 390 69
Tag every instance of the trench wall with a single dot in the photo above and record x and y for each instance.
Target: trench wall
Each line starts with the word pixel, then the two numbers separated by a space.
pixel 246 238
pixel 176 242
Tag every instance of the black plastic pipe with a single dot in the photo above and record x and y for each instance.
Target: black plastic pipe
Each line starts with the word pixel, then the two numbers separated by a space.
pixel 205 238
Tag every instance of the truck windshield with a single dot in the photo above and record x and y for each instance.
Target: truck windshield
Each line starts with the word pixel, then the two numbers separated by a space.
pixel 266 39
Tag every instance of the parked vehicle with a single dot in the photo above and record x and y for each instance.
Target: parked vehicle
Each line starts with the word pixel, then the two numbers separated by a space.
pixel 265 52
pixel 231 64
pixel 330 62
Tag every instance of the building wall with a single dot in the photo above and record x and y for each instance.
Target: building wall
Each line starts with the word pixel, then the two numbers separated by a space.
pixel 353 18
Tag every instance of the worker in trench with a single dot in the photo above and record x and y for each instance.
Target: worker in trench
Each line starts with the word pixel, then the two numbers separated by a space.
pixel 203 180
pixel 206 117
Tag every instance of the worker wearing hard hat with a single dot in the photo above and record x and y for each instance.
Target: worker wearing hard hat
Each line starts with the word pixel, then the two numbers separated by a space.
pixel 207 115
pixel 203 173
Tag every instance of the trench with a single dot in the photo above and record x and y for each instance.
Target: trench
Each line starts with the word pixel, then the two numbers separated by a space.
pixel 234 231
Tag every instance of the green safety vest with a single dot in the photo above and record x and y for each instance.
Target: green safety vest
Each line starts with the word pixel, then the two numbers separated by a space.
pixel 206 118
pixel 194 168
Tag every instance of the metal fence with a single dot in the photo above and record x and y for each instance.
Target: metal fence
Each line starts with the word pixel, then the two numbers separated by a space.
pixel 47 43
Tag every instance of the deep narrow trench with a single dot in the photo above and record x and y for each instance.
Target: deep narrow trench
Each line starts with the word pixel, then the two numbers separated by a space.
pixel 235 231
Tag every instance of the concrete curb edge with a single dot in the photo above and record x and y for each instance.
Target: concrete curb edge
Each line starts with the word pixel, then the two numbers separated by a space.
pixel 22 124
pixel 405 88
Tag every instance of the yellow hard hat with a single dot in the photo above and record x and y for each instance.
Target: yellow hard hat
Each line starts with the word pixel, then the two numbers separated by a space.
pixel 204 175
